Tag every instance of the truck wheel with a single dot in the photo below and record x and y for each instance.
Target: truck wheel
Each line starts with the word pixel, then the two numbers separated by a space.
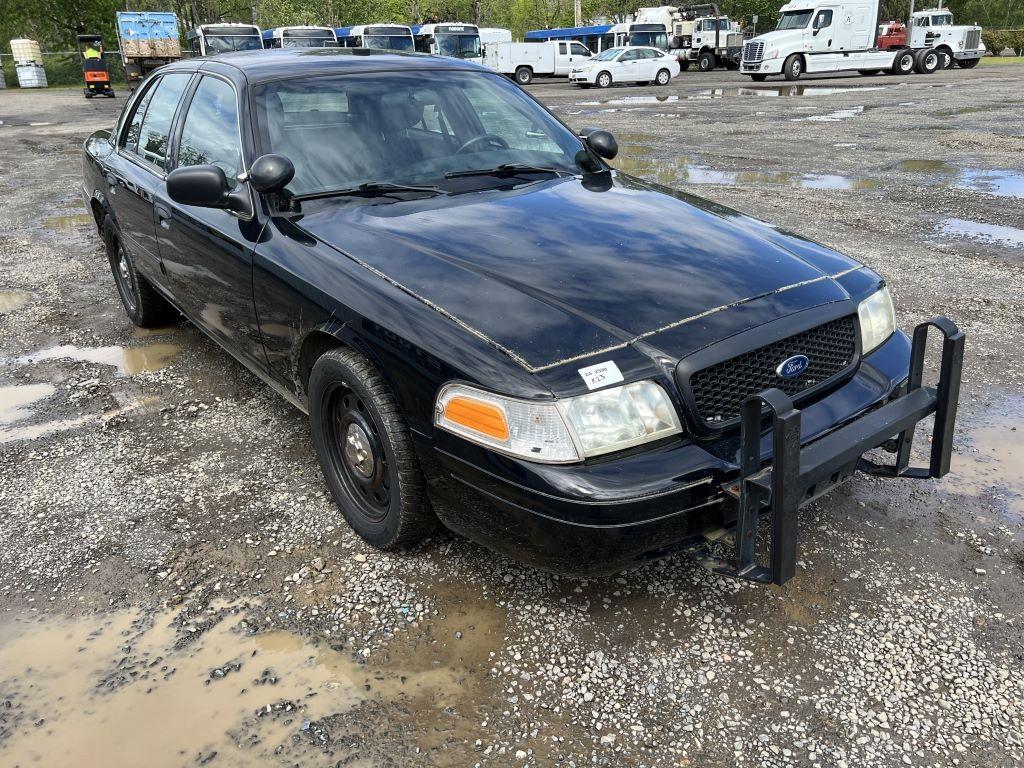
pixel 903 62
pixel 144 306
pixel 664 77
pixel 967 63
pixel 794 67
pixel 366 453
pixel 524 75
pixel 603 80
pixel 758 78
pixel 926 61
pixel 706 62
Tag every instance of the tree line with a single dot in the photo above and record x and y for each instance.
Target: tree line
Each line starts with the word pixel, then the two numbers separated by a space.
pixel 54 23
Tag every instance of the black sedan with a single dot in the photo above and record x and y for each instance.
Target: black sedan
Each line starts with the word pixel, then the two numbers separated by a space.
pixel 491 327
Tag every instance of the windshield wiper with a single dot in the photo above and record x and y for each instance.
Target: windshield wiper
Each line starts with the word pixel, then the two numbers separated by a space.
pixel 506 169
pixel 372 189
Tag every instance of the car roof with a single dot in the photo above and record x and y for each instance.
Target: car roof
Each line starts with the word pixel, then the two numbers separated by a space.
pixel 285 63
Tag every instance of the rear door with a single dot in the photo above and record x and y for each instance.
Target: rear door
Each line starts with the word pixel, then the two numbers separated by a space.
pixel 208 252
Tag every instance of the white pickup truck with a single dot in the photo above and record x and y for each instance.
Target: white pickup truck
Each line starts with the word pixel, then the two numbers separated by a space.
pixel 815 36
pixel 523 61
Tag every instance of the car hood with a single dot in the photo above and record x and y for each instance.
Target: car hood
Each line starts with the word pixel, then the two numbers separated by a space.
pixel 559 270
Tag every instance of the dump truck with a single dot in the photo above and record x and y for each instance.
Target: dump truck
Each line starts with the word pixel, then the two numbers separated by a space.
pixel 147 39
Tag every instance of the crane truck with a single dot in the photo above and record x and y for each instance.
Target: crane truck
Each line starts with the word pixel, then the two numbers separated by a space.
pixel 817 36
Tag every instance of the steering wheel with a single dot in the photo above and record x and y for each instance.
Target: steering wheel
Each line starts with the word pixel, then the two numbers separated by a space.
pixel 485 138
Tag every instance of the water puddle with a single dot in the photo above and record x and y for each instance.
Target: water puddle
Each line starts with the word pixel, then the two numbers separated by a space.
pixel 832 117
pixel 127 360
pixel 11 301
pixel 999 182
pixel 630 100
pixel 68 222
pixel 669 171
pixel 135 688
pixel 993 234
pixel 15 401
pixel 721 93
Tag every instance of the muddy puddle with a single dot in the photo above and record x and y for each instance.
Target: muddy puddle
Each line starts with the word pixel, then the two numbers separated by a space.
pixel 991 234
pixel 127 360
pixel 999 182
pixel 637 160
pixel 67 222
pixel 140 688
pixel 832 117
pixel 19 406
pixel 721 93
pixel 12 301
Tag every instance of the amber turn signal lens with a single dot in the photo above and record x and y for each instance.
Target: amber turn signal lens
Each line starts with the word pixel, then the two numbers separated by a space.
pixel 480 417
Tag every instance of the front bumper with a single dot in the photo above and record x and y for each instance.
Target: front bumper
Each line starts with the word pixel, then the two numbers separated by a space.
pixel 606 514
pixel 763 67
pixel 967 55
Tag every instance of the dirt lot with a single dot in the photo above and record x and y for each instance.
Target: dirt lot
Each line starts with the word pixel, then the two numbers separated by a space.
pixel 177 589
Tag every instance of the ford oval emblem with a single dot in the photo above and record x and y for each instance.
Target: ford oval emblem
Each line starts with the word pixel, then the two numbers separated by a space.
pixel 792 367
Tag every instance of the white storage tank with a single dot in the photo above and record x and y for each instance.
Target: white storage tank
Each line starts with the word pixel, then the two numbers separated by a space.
pixel 31 75
pixel 26 51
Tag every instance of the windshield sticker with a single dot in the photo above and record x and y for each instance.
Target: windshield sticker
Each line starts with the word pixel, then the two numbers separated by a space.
pixel 601 375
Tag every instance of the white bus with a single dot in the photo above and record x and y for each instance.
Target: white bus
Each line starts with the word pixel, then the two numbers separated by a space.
pixel 460 41
pixel 299 37
pixel 389 37
pixel 211 39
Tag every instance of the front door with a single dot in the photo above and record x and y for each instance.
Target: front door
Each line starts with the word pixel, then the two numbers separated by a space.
pixel 631 67
pixel 208 252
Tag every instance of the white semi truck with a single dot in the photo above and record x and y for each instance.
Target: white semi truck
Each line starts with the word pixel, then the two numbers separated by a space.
pixel 815 36
pixel 956 44
pixel 524 61
pixel 698 34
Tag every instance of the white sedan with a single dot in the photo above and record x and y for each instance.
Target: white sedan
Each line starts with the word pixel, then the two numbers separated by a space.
pixel 635 64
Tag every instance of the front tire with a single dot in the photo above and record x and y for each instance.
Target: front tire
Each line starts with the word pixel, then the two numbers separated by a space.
pixel 142 303
pixel 664 77
pixel 945 58
pixel 603 80
pixel 926 61
pixel 794 67
pixel 524 75
pixel 366 453
pixel 706 62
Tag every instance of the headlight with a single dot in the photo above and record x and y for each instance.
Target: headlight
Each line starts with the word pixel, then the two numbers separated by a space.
pixel 563 431
pixel 775 55
pixel 877 319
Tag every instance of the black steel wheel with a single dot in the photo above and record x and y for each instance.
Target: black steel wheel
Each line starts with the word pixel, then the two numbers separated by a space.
pixel 143 305
pixel 366 453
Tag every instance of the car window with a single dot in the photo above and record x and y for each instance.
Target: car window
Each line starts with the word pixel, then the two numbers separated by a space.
pixel 156 125
pixel 130 136
pixel 630 56
pixel 563 48
pixel 209 135
pixel 824 19
pixel 578 49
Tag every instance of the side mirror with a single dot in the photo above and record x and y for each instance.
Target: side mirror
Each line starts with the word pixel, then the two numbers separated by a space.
pixel 271 173
pixel 601 143
pixel 207 186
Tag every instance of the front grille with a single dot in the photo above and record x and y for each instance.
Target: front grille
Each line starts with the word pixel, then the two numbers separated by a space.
pixel 719 390
pixel 973 39
pixel 753 51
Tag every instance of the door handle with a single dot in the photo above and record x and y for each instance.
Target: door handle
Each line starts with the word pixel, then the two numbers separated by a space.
pixel 163 216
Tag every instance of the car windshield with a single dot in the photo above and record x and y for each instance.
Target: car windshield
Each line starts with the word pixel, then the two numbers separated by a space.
pixel 408 128
pixel 608 54
pixel 794 19
pixel 388 42
pixel 307 40
pixel 653 39
pixel 228 43
pixel 942 20
pixel 459 46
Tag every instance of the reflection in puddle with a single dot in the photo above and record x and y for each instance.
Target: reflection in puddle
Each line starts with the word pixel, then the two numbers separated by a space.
pixel 134 689
pixel 984 233
pixel 669 171
pixel 1002 183
pixel 71 221
pixel 127 360
pixel 13 300
pixel 630 100
pixel 833 117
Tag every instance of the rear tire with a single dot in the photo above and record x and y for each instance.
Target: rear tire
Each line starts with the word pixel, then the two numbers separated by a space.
pixel 603 80
pixel 664 77
pixel 967 63
pixel 926 61
pixel 366 453
pixel 759 78
pixel 794 67
pixel 903 62
pixel 524 75
pixel 142 303
pixel 706 62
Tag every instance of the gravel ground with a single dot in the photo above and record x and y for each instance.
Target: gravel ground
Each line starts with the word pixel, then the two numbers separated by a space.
pixel 163 510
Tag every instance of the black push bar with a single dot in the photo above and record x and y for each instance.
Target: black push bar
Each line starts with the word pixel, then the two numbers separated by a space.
pixel 798 474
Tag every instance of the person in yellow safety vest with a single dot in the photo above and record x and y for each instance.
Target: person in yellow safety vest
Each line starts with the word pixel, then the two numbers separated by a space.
pixel 91 52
